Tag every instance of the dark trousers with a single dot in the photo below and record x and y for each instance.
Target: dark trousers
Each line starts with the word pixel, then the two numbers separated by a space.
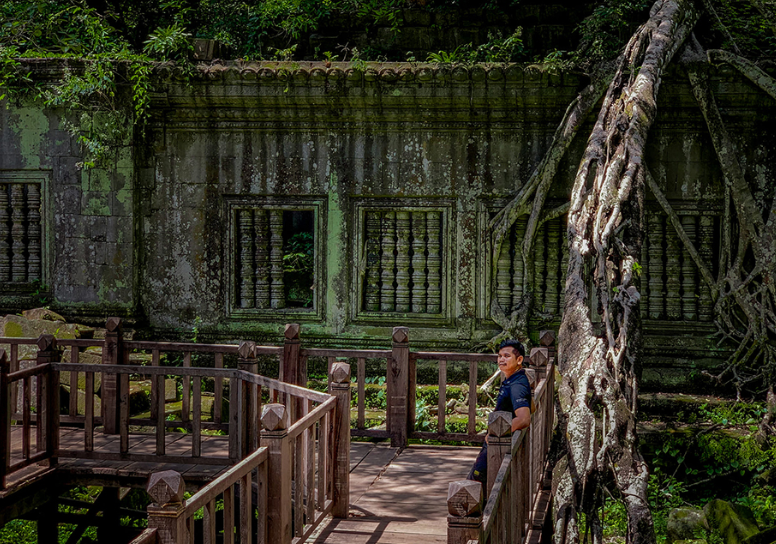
pixel 479 471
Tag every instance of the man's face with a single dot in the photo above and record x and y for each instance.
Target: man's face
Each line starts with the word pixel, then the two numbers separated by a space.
pixel 509 361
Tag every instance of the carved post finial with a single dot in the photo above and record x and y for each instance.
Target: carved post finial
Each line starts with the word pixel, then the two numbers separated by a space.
pixel 540 356
pixel 499 424
pixel 166 487
pixel 113 324
pixel 247 349
pixel 46 342
pixel 464 498
pixel 401 335
pixel 291 331
pixel 340 373
pixel 547 338
pixel 274 417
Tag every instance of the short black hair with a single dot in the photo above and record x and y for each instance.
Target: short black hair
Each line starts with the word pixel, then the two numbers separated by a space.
pixel 518 347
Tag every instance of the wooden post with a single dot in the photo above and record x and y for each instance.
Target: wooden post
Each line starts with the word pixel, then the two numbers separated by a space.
pixel 112 354
pixel 499 443
pixel 464 519
pixel 48 385
pixel 339 379
pixel 5 418
pixel 166 513
pixel 274 435
pixel 292 371
pixel 110 499
pixel 247 362
pixel 398 388
pixel 48 524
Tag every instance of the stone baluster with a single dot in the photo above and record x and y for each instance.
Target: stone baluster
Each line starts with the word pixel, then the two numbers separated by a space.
pixel 419 262
pixel 403 262
pixel 464 518
pixel 33 233
pixel 689 280
pixel 18 261
pixel 434 224
pixel 673 275
pixel 246 259
pixel 540 266
pixel 706 236
pixel 261 257
pixel 503 275
pixel 372 291
pixel 388 261
pixel 643 278
pixel 518 272
pixel 5 231
pixel 656 235
pixel 276 289
pixel 553 263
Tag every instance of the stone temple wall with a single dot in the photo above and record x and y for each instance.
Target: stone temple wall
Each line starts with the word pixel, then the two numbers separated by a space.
pixel 391 174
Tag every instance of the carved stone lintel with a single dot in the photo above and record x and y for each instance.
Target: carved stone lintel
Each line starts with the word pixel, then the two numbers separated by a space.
pixel 464 498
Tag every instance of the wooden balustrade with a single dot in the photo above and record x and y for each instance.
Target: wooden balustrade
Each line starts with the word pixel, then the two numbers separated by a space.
pixel 515 475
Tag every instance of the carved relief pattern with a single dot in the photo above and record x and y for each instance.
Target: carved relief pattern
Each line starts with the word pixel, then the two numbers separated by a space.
pixel 689 301
pixel 18 261
pixel 564 260
pixel 706 235
pixel 403 262
pixel 419 241
pixel 643 277
pixel 388 260
pixel 277 290
pixel 540 265
pixel 5 231
pixel 372 262
pixel 655 234
pixel 261 244
pixel 34 258
pixel 553 262
pixel 245 226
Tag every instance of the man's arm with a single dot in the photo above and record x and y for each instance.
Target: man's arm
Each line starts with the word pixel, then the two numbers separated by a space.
pixel 522 418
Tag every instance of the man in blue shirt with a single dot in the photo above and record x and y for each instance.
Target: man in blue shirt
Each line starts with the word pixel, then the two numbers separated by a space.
pixel 514 397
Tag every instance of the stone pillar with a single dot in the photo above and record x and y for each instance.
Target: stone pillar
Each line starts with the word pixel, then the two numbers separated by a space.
pixel 499 443
pixel 112 354
pixel 340 388
pixel 398 385
pixel 464 519
pixel 165 514
pixel 275 423
pixel 247 362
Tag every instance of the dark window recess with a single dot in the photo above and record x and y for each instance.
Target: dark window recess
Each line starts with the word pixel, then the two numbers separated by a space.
pixel 299 258
pixel 275 258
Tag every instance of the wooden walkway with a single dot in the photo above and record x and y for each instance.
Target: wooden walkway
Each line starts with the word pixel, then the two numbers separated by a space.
pixel 397 497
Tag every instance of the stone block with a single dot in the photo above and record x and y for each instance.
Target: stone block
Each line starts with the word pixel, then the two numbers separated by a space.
pixel 685 524
pixel 732 521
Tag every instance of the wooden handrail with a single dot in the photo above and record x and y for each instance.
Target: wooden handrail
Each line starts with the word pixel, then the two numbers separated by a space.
pixel 310 419
pixel 148 536
pixel 224 481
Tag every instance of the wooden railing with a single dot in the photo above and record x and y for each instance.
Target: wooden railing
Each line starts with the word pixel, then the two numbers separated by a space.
pixel 278 494
pixel 516 464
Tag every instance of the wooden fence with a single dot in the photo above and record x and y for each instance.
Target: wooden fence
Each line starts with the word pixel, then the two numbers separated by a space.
pixel 516 464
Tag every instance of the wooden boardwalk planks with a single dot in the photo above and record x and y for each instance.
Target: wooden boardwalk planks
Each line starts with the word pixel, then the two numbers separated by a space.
pixel 398 499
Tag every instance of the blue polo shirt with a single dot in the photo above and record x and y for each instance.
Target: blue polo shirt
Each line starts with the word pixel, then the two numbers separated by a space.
pixel 515 392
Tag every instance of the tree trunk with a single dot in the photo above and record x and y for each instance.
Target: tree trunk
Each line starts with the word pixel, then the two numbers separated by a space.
pixel 600 362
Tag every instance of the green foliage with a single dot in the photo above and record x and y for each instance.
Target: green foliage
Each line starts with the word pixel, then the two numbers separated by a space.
pixel 608 28
pixel 299 268
pixel 497 49
pixel 169 43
